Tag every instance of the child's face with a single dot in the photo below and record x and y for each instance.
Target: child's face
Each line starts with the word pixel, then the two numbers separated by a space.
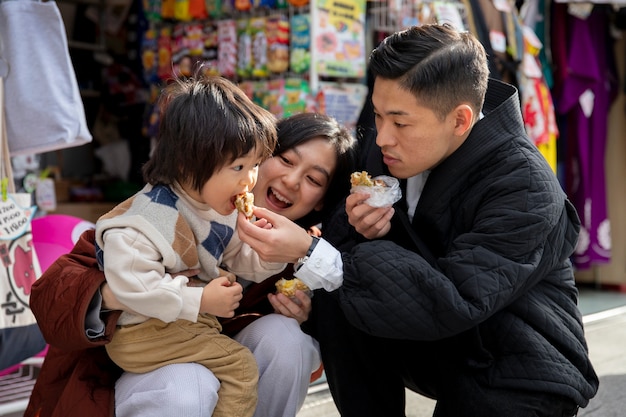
pixel 220 190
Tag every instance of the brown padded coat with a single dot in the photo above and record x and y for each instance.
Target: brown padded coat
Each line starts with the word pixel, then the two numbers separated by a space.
pixel 77 376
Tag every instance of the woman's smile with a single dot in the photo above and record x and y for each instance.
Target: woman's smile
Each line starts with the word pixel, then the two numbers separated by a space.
pixel 277 200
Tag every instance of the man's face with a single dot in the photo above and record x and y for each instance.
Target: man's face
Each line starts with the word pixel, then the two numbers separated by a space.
pixel 412 137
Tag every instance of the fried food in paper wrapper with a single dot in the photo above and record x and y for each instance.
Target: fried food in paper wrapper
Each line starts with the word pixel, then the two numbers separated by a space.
pixel 383 189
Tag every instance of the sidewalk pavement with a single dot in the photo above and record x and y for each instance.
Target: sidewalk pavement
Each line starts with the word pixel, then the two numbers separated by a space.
pixel 606 336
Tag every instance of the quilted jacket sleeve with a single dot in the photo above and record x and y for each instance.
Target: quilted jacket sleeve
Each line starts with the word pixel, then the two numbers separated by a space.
pixel 385 292
pixel 60 298
pixel 390 291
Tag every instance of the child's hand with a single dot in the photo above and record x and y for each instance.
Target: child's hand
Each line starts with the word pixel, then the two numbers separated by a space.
pixel 220 297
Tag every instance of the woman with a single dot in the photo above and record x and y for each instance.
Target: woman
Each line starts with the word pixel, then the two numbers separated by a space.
pixel 304 179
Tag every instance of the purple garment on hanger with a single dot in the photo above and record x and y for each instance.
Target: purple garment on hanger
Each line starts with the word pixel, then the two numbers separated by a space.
pixel 590 73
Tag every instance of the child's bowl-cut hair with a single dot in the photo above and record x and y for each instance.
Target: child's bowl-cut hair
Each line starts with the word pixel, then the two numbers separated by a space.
pixel 206 122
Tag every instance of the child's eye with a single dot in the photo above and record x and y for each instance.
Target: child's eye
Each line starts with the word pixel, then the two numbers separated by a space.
pixel 238 167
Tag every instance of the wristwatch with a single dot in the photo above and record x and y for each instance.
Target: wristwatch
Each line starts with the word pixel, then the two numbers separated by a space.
pixel 301 261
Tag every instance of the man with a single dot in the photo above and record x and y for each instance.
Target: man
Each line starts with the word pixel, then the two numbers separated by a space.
pixel 462 291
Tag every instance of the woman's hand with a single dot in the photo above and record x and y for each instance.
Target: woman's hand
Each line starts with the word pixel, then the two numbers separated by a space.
pixel 109 301
pixel 284 305
pixel 371 222
pixel 284 241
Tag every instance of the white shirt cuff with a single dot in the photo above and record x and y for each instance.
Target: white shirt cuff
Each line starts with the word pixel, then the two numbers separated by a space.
pixel 323 269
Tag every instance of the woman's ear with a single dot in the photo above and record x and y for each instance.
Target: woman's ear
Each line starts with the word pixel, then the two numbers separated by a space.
pixel 464 119
pixel 319 206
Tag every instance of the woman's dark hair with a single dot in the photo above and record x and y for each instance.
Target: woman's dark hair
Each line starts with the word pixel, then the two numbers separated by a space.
pixel 440 66
pixel 302 127
pixel 206 123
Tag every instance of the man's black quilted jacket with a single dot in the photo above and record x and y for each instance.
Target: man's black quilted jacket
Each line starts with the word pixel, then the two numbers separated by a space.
pixel 497 223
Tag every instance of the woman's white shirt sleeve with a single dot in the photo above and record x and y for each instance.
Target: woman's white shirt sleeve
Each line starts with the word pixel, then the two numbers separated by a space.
pixel 323 269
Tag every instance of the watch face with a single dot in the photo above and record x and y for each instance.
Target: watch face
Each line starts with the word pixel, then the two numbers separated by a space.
pixel 305 258
pixel 301 262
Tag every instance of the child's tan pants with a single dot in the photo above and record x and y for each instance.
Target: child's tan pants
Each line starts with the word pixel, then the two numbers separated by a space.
pixel 152 344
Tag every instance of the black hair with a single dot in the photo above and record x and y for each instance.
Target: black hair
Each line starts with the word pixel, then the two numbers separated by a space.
pixel 439 65
pixel 206 122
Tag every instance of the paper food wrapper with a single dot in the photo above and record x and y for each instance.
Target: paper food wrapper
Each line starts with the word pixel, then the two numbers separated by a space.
pixel 381 196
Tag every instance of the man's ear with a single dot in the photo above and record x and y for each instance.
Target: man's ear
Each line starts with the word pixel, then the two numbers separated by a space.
pixel 463 119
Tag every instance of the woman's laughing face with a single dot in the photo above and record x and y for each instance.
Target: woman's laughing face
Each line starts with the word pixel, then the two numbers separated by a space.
pixel 294 182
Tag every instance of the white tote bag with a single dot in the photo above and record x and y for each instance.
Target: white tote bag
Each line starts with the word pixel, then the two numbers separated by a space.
pixel 43 107
pixel 20 336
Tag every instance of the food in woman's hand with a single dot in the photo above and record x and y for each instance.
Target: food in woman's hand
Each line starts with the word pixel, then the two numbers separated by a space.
pixel 244 202
pixel 289 287
pixel 364 179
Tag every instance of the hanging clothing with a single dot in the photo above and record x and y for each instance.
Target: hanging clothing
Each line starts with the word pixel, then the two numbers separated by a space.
pixel 536 15
pixel 586 84
pixel 493 28
pixel 44 109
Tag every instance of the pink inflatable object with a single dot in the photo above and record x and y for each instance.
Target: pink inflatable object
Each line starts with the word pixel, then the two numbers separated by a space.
pixel 55 235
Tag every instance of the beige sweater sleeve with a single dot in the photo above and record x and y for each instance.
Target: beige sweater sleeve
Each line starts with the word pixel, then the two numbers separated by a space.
pixel 135 272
